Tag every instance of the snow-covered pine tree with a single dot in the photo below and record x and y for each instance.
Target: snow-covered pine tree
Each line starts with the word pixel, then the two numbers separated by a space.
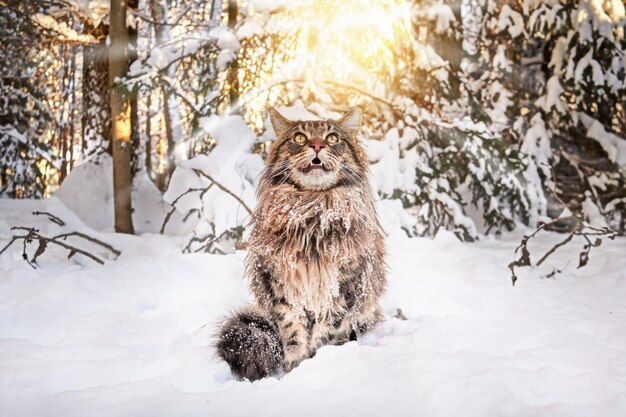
pixel 456 172
pixel 494 72
pixel 48 122
pixel 24 115
pixel 548 76
pixel 581 110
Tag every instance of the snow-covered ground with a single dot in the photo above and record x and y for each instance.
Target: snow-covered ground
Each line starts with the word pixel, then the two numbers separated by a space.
pixel 133 337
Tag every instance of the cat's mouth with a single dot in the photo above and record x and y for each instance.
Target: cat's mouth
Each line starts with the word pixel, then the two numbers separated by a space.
pixel 315 164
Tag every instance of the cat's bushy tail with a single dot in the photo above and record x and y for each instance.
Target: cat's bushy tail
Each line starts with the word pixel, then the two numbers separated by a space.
pixel 250 343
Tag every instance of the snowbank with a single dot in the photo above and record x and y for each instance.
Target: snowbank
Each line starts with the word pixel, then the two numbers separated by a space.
pixel 93 182
pixel 133 337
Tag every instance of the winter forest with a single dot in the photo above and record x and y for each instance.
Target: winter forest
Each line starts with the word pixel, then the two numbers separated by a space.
pixel 133 134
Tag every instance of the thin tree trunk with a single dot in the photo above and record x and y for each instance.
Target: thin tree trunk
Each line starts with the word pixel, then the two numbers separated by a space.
pixel 167 118
pixel 120 112
pixel 233 74
pixel 96 123
pixel 149 138
pixel 171 113
pixel 216 12
pixel 63 118
pixel 72 111
pixel 134 116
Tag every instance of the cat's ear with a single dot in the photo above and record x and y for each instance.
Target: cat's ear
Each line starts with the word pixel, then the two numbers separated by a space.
pixel 279 122
pixel 351 121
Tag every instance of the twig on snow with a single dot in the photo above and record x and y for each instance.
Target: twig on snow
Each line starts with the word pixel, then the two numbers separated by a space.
pixel 32 234
pixel 51 217
pixel 579 228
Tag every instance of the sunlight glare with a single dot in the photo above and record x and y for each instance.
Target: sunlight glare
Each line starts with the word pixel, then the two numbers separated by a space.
pixel 349 42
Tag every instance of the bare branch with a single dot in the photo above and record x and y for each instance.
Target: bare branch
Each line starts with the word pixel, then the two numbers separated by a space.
pixel 579 228
pixel 89 238
pixel 358 90
pixel 51 217
pixel 210 242
pixel 13 239
pixel 169 214
pixel 226 190
pixel 555 247
pixel 336 84
pixel 33 234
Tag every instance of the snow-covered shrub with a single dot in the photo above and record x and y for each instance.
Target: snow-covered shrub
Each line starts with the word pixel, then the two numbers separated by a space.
pixel 454 176
pixel 216 191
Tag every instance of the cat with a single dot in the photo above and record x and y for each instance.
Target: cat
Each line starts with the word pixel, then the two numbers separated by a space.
pixel 315 253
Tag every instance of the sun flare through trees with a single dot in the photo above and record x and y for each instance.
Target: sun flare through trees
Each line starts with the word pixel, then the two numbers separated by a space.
pixel 329 45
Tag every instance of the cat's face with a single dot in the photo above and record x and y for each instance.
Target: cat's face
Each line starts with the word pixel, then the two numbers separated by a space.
pixel 316 155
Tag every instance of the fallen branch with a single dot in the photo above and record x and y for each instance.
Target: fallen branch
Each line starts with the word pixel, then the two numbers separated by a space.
pixel 399 315
pixel 32 234
pixel 91 239
pixel 51 217
pixel 578 228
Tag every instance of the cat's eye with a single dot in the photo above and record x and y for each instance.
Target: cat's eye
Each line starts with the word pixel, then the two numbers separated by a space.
pixel 332 139
pixel 300 138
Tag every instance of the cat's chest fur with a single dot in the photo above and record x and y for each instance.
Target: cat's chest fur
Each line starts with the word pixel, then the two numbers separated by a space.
pixel 307 238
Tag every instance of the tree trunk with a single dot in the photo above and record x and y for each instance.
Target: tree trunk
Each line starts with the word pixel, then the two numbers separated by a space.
pixel 96 123
pixel 64 119
pixel 134 115
pixel 148 160
pixel 216 12
pixel 120 112
pixel 72 102
pixel 233 71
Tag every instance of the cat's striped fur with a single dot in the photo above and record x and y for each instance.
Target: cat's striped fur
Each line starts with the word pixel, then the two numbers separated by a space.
pixel 316 252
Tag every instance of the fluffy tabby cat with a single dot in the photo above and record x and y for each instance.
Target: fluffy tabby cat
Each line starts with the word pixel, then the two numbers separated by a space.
pixel 316 253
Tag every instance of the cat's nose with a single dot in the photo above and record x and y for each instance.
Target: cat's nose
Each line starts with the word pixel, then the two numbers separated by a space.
pixel 317 144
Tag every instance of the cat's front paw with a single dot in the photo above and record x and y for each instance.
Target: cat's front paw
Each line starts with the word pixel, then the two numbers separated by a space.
pixel 294 354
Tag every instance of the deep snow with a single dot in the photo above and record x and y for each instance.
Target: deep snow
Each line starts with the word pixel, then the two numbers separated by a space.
pixel 133 337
